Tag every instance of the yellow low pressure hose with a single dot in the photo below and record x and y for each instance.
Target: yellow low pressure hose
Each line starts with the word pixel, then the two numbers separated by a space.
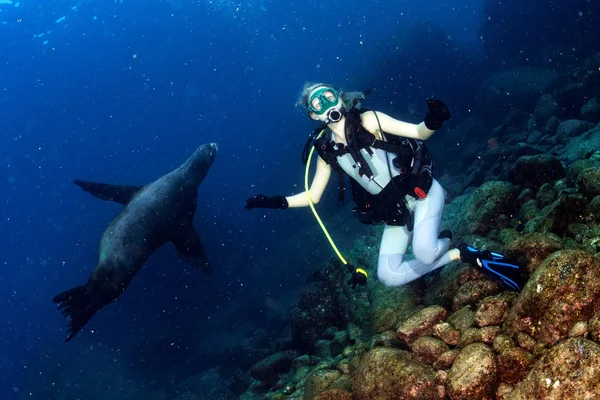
pixel 312 207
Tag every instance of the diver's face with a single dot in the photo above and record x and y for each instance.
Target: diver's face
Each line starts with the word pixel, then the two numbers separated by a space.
pixel 321 99
pixel 325 105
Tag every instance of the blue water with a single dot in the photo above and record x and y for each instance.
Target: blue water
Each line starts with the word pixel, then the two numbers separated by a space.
pixel 123 91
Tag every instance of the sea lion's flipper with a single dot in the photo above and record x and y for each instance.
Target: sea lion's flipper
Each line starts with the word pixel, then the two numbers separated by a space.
pixel 117 193
pixel 190 249
pixel 76 304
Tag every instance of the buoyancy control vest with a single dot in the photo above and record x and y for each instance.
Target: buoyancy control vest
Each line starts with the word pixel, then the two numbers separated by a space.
pixel 412 162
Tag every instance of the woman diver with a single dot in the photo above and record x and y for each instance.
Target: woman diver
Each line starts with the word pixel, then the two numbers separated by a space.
pixel 392 183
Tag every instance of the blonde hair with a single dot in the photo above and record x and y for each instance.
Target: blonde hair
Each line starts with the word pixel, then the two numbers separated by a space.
pixel 349 99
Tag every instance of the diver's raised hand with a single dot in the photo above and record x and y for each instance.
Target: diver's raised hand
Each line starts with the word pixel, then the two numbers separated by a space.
pixel 437 114
pixel 262 201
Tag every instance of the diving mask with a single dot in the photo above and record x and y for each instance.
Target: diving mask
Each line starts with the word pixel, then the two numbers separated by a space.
pixel 325 102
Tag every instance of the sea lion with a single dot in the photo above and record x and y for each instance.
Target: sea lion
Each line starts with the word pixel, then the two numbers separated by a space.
pixel 154 214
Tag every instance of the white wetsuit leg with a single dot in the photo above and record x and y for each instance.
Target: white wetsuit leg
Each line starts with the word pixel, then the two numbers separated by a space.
pixel 430 252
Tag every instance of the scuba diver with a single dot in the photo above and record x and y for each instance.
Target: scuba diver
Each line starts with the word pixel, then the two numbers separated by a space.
pixel 392 183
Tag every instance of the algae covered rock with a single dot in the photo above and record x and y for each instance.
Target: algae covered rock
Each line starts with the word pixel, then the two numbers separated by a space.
pixel 474 291
pixel 428 349
pixel 594 327
pixel 319 381
pixel 569 370
pixel 558 216
pixel 269 369
pixel 564 289
pixel 316 311
pixel 531 249
pixel 588 182
pixel 462 319
pixel 573 127
pixel 513 364
pixel 534 171
pixel 334 394
pixel 421 323
pixel 393 374
pixel 590 111
pixel 473 374
pixel 446 333
pixel 486 204
pixel 491 311
pixel 481 210
pixel 392 305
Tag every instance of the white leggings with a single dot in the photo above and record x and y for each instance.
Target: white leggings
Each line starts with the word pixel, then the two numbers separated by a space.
pixel 429 251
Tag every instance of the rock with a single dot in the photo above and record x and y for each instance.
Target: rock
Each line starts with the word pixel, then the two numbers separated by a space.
pixel 551 126
pixel 534 171
pixel 474 291
pixel 588 182
pixel 446 359
pixel 491 311
pixel 577 168
pixel 208 385
pixel 567 371
pixel 563 290
pixel 518 88
pixel 473 335
pixel 481 210
pixel 558 216
pixel 395 374
pixel 428 349
pixel 580 83
pixel 269 369
pixel 590 111
pixel 531 249
pixel 421 323
pixel 594 208
pixel 582 147
pixel 386 339
pixel 525 341
pixel 392 306
pixel 534 137
pixel 318 382
pixel 513 364
pixel 301 374
pixel 594 327
pixel 305 360
pixel 445 332
pixel 503 390
pixel 502 343
pixel 473 374
pixel 528 211
pixel 462 319
pixel 546 107
pixel 546 195
pixel 573 127
pixel 335 394
pixel 579 329
pixel 316 311
pixel 323 349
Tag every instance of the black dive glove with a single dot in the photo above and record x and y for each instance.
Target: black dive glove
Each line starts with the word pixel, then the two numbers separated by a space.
pixel 262 201
pixel 359 277
pixel 437 114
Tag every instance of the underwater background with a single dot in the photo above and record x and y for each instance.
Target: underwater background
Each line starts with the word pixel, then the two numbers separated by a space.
pixel 124 91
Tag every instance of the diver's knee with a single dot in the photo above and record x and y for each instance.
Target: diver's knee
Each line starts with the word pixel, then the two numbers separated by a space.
pixel 388 278
pixel 385 272
pixel 425 255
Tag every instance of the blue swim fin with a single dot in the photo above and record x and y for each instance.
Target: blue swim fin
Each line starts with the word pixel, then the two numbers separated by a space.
pixel 494 265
